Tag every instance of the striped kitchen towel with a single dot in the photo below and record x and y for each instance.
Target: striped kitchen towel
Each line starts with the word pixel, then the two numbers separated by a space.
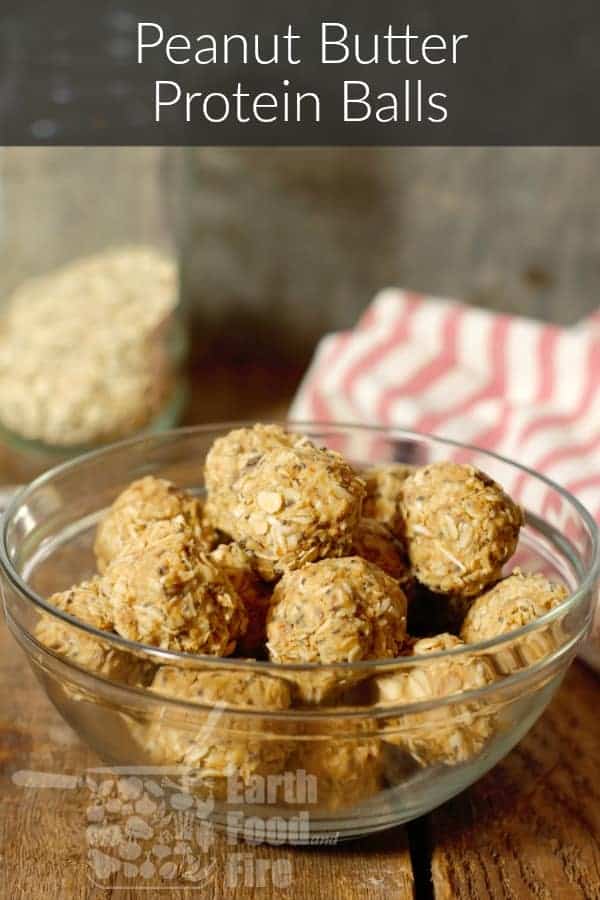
pixel 526 389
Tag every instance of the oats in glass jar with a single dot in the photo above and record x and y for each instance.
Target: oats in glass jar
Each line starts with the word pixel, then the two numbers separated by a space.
pixel 83 355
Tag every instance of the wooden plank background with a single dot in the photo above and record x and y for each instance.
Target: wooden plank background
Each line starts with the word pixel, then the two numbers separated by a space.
pixel 294 242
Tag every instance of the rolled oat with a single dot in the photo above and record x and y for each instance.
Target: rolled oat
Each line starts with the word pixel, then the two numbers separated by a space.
pixel 82 353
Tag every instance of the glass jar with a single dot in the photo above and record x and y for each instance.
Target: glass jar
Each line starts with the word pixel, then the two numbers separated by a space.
pixel 91 341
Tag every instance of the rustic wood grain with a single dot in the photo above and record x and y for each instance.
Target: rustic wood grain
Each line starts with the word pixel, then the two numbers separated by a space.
pixel 530 828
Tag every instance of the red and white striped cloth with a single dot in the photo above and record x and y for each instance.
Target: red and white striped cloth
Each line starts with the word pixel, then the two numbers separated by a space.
pixel 526 389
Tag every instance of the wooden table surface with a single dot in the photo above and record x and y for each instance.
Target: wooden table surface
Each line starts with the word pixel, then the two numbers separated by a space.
pixel 529 829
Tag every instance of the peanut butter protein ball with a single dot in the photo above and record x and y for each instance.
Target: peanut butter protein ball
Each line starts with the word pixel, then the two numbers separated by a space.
pixel 446 734
pixel 232 455
pixel 144 502
pixel 461 527
pixel 296 505
pixel 254 593
pixel 375 542
pixel 218 746
pixel 87 602
pixel 385 485
pixel 170 594
pixel 515 601
pixel 347 766
pixel 336 610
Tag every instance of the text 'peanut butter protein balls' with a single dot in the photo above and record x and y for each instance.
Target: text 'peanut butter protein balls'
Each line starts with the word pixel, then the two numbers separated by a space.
pixel 144 502
pixel 295 505
pixel 336 610
pixel 461 527
pixel 170 594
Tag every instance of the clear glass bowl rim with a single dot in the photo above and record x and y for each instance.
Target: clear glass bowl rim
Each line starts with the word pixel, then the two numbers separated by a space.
pixel 176 658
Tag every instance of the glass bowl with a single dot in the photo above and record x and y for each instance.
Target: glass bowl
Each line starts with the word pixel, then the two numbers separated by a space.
pixel 353 763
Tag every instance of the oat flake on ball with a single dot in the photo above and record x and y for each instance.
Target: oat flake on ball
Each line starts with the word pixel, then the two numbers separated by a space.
pixel 461 527
pixel 230 456
pixel 170 594
pixel 336 610
pixel 145 502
